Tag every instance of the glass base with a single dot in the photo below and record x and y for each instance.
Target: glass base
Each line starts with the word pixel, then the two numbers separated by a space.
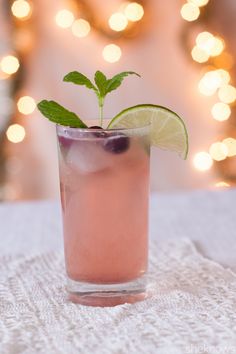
pixel 91 294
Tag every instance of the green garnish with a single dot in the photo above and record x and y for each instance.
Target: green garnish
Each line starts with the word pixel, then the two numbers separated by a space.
pixel 102 86
pixel 60 115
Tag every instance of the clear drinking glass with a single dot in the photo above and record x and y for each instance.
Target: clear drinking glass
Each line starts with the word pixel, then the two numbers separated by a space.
pixel 104 182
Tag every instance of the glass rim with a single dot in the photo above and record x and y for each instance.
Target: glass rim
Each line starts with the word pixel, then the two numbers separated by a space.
pixel 87 131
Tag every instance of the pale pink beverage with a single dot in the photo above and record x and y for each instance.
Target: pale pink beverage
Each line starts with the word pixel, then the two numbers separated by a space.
pixel 105 193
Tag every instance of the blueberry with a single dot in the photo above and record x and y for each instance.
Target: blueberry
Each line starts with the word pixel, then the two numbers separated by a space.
pixel 64 141
pixel 113 143
pixel 95 127
pixel 99 134
pixel 116 144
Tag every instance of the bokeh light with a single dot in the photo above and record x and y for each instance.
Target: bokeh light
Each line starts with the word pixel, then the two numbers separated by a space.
pixel 111 53
pixel 220 111
pixel 210 44
pixel 64 18
pixel 224 75
pixel 218 151
pixel 227 94
pixel 222 184
pixel 26 105
pixel 202 161
pixel 134 11
pixel 9 64
pixel 21 9
pixel 199 55
pixel 205 90
pixel 205 40
pixel 212 80
pixel 231 146
pixel 118 22
pixel 190 12
pixel 15 133
pixel 80 28
pixel 218 47
pixel 209 83
pixel 199 3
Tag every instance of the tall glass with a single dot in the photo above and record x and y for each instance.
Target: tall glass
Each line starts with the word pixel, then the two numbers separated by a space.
pixel 104 182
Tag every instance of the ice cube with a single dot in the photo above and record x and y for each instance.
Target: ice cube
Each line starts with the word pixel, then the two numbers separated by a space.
pixel 88 157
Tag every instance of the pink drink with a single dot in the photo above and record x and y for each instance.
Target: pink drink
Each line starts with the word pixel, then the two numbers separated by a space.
pixel 104 194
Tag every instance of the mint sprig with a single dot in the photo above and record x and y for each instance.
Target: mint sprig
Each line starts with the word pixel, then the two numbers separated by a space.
pixel 60 115
pixel 101 86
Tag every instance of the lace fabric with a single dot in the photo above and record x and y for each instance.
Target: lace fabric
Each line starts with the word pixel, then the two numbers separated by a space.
pixel 192 309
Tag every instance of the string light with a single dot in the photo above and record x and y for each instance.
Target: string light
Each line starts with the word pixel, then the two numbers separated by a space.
pixel 231 146
pixel 118 22
pixel 199 55
pixel 199 3
pixel 80 28
pixel 220 111
pixel 205 41
pixel 64 18
pixel 15 133
pixel 203 38
pixel 21 9
pixel 190 12
pixel 134 11
pixel 224 75
pixel 212 80
pixel 209 83
pixel 111 53
pixel 9 64
pixel 222 184
pixel 211 45
pixel 26 105
pixel 218 151
pixel 227 94
pixel 202 161
pixel 23 39
pixel 218 47
pixel 204 90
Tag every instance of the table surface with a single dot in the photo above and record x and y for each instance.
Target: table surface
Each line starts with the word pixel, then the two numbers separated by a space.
pixel 206 217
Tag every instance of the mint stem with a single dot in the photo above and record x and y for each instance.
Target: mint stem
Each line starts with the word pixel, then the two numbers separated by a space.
pixel 101 104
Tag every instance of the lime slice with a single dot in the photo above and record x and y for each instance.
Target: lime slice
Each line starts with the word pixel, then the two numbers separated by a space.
pixel 168 130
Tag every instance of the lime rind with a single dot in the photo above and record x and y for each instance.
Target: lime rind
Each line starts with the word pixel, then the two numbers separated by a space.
pixel 168 130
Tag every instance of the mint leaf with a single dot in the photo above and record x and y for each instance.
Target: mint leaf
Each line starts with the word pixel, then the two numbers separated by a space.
pixel 102 86
pixel 79 79
pixel 116 81
pixel 60 115
pixel 100 80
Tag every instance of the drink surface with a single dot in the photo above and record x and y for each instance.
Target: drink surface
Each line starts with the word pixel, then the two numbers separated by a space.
pixel 105 207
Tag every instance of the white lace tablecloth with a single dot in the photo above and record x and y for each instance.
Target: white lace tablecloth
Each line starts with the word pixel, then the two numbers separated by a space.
pixel 193 303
